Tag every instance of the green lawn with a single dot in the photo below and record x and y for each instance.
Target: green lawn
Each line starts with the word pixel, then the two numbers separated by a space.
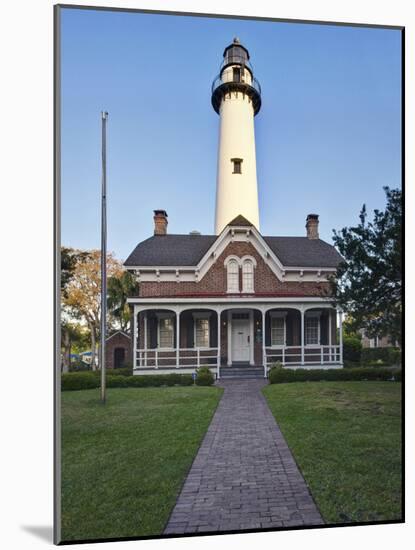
pixel 346 439
pixel 123 464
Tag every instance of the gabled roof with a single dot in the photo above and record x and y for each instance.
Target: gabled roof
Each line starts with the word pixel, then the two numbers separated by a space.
pixel 240 221
pixel 119 332
pixel 303 252
pixel 174 250
pixel 188 250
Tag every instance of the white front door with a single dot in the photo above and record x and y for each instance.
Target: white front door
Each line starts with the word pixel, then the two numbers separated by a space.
pixel 241 345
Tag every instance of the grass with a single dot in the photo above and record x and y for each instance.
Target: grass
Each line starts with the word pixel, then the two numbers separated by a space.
pixel 346 439
pixel 123 464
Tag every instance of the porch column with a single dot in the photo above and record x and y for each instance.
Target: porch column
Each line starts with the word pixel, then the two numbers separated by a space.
pixel 145 338
pixel 177 339
pixel 302 336
pixel 341 335
pixel 264 354
pixel 229 329
pixel 330 330
pixel 219 346
pixel 135 332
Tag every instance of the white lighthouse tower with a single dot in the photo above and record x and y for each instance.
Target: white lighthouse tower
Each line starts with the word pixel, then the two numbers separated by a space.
pixel 236 97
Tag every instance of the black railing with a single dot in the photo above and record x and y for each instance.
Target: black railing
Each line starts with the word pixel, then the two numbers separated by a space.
pixel 227 78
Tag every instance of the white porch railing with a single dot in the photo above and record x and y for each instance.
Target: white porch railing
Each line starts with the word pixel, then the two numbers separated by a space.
pixel 177 358
pixel 298 356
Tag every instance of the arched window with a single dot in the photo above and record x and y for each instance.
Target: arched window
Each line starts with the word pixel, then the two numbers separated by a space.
pixel 248 276
pixel 233 276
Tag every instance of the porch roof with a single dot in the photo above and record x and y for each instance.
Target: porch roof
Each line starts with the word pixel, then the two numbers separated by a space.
pixel 231 300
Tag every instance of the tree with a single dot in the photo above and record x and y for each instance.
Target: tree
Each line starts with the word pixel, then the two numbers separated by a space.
pixel 119 288
pixel 82 293
pixel 368 283
pixel 70 257
pixel 73 335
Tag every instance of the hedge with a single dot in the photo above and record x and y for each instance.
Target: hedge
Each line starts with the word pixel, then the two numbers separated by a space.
pixel 90 380
pixel 279 375
pixel 79 381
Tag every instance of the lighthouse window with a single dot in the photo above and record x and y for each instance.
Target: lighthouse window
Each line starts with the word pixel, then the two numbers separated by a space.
pixel 237 166
pixel 236 74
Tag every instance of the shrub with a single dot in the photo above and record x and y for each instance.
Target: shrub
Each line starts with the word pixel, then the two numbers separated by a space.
pixel 91 380
pixel 395 356
pixel 352 349
pixel 375 363
pixel 204 377
pixel 124 371
pixel 278 375
pixel 389 356
pixel 351 364
pixel 79 381
pixel 79 366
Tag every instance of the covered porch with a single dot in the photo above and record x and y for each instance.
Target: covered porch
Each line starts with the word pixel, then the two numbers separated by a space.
pixel 171 336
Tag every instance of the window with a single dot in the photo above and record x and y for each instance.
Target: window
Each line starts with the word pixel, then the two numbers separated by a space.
pixel 248 276
pixel 237 166
pixel 312 330
pixel 166 332
pixel 236 74
pixel 233 276
pixel 278 331
pixel 201 333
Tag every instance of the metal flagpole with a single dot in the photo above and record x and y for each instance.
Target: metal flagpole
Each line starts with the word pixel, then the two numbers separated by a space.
pixel 103 253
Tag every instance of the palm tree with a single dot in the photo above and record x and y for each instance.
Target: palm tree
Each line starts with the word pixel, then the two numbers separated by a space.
pixel 119 288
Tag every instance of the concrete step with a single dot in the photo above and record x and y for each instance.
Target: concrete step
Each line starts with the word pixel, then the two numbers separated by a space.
pixel 242 372
pixel 242 377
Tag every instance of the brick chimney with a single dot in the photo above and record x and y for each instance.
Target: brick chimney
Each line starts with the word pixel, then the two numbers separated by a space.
pixel 160 222
pixel 312 226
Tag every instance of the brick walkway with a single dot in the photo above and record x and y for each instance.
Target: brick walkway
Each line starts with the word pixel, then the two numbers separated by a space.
pixel 244 475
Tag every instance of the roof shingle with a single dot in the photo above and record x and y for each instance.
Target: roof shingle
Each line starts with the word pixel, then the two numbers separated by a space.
pixel 188 250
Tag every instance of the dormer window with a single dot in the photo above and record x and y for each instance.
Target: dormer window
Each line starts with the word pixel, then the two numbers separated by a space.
pixel 233 276
pixel 247 276
pixel 237 166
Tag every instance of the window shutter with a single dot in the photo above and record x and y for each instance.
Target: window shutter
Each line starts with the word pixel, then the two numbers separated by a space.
pixel 190 331
pixel 289 330
pixel 213 331
pixel 324 327
pixel 267 330
pixel 152 327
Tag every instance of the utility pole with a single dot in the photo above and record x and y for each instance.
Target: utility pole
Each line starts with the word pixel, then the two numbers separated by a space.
pixel 104 119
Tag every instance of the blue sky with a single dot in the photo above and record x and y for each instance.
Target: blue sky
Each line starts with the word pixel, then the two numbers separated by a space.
pixel 328 135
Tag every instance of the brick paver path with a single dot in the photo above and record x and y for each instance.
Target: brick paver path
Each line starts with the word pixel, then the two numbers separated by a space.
pixel 244 475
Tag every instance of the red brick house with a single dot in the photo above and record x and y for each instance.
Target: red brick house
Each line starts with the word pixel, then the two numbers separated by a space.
pixel 236 298
pixel 118 350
